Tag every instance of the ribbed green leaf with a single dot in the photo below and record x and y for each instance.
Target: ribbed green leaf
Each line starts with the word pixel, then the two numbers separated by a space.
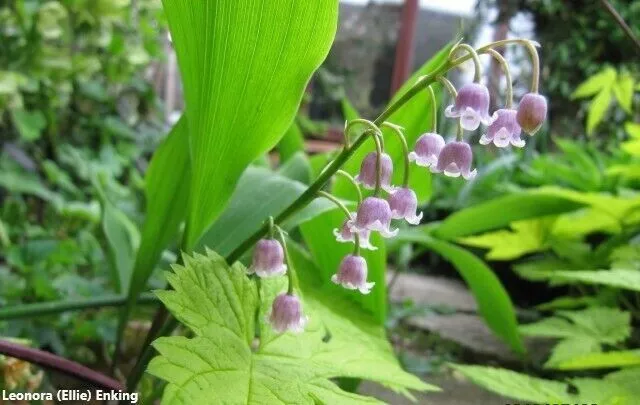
pixel 501 211
pixel 494 303
pixel 244 66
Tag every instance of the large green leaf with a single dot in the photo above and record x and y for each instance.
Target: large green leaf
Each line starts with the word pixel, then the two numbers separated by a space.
pixel 415 117
pixel 244 66
pixel 166 194
pixel 617 278
pixel 122 238
pixel 260 193
pixel 223 364
pixel 291 143
pixel 328 253
pixel 502 211
pixel 494 303
pixel 625 358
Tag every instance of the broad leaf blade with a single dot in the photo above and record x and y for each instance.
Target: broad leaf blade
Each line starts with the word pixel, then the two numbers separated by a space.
pixel 244 66
pixel 218 303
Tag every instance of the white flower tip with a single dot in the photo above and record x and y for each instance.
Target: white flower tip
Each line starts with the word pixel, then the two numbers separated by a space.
pixel 414 219
pixel 470 175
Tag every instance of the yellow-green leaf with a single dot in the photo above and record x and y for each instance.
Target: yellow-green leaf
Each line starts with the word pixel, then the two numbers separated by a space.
pixel 596 83
pixel 597 109
pixel 623 90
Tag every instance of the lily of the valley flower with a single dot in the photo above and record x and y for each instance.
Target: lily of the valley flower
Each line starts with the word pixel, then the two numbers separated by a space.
pixel 374 214
pixel 286 314
pixel 404 203
pixel 268 259
pixel 427 150
pixel 471 106
pixel 369 173
pixel 344 234
pixel 532 112
pixel 504 130
pixel 352 274
pixel 455 160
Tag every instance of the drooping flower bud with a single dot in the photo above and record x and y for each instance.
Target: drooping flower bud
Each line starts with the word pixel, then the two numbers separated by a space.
pixel 427 149
pixel 268 259
pixel 455 159
pixel 344 234
pixel 472 106
pixel 374 214
pixel 286 314
pixel 504 130
pixel 368 172
pixel 532 112
pixel 404 203
pixel 352 274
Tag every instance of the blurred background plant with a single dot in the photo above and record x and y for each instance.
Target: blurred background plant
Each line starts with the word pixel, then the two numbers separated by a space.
pixel 79 117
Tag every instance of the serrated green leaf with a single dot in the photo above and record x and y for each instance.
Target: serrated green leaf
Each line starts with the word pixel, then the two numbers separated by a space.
pixel 576 224
pixel 415 117
pixel 623 90
pixel 502 211
pixel 218 303
pixel 515 385
pixel 570 348
pixel 598 107
pixel 596 83
pixel 618 278
pixel 627 378
pixel 494 303
pixel 260 193
pixel 601 324
pixel 626 358
pixel 527 237
pixel 537 390
pixel 632 129
pixel 244 66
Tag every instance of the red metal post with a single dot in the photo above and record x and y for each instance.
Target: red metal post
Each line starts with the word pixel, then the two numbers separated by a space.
pixel 405 45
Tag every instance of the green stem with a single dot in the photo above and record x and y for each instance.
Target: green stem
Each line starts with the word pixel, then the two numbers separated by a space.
pixel 271 228
pixel 57 307
pixel 358 121
pixel 434 110
pixel 476 60
pixel 376 139
pixel 449 86
pixel 291 276
pixel 507 75
pixel 344 209
pixel 405 150
pixel 353 181
pixel 529 45
pixel 460 133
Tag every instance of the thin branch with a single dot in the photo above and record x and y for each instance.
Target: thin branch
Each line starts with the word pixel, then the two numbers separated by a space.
pixel 52 362
pixel 616 16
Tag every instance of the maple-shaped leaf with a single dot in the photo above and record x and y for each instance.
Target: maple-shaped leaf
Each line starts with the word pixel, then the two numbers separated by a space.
pixel 225 363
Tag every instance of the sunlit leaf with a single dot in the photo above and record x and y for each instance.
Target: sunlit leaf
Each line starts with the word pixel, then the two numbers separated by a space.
pixel 596 83
pixel 623 90
pixel 598 107
pixel 625 358
pixel 244 66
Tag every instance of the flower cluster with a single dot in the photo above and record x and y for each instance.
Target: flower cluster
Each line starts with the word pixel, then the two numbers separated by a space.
pixel 375 213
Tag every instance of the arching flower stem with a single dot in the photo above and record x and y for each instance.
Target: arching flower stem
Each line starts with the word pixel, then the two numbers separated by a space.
pixel 405 149
pixel 339 204
pixel 507 75
pixel 434 110
pixel 353 181
pixel 474 55
pixel 449 86
pixel 291 273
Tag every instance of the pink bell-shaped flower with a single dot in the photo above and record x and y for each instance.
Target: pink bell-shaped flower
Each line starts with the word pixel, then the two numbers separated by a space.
pixel 471 106
pixel 374 214
pixel 532 112
pixel 352 274
pixel 504 130
pixel 404 203
pixel 286 314
pixel 368 172
pixel 344 234
pixel 455 160
pixel 427 149
pixel 268 259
